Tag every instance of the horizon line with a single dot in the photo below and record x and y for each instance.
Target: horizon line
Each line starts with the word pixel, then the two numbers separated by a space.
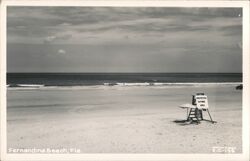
pixel 124 72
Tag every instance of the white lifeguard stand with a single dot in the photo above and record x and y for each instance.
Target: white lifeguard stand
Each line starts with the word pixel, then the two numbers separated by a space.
pixel 199 104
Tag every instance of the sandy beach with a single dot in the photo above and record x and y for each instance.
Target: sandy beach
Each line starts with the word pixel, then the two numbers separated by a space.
pixel 122 119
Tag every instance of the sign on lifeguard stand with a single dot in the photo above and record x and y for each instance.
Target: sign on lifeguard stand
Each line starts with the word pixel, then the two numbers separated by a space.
pixel 200 102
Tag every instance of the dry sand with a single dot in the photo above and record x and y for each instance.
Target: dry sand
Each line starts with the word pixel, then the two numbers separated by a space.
pixel 122 119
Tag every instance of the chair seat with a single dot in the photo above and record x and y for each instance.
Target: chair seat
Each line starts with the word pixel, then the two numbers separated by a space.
pixel 187 105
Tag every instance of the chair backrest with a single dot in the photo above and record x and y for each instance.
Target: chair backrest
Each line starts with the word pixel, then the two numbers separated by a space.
pixel 201 101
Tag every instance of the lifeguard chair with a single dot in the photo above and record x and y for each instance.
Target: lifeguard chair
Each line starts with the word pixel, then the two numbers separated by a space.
pixel 199 104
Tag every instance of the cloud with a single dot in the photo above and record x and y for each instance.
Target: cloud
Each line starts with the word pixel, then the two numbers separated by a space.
pixel 65 24
pixel 81 25
pixel 50 39
pixel 61 52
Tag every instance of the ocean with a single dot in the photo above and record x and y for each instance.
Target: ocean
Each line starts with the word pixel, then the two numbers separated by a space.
pixel 112 79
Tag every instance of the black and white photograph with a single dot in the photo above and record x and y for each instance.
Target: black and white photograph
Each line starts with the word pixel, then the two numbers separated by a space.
pixel 124 80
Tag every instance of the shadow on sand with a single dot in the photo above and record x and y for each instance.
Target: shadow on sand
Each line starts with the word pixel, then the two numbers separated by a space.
pixel 184 122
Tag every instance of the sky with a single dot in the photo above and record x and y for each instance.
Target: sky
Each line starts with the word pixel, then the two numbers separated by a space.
pixel 124 39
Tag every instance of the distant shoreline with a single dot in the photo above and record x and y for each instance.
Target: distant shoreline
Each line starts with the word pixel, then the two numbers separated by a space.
pixel 123 73
pixel 123 85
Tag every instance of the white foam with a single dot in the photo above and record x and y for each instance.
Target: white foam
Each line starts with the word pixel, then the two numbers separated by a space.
pixel 24 86
pixel 177 84
pixel 30 85
pixel 121 85
pixel 134 84
pixel 197 84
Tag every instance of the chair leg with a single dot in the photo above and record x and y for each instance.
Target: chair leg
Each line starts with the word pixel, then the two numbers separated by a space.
pixel 188 114
pixel 197 114
pixel 210 116
pixel 201 114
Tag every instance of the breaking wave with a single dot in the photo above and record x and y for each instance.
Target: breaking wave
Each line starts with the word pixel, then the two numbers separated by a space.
pixel 120 84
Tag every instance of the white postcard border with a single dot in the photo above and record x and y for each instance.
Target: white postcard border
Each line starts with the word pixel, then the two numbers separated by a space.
pixel 137 157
